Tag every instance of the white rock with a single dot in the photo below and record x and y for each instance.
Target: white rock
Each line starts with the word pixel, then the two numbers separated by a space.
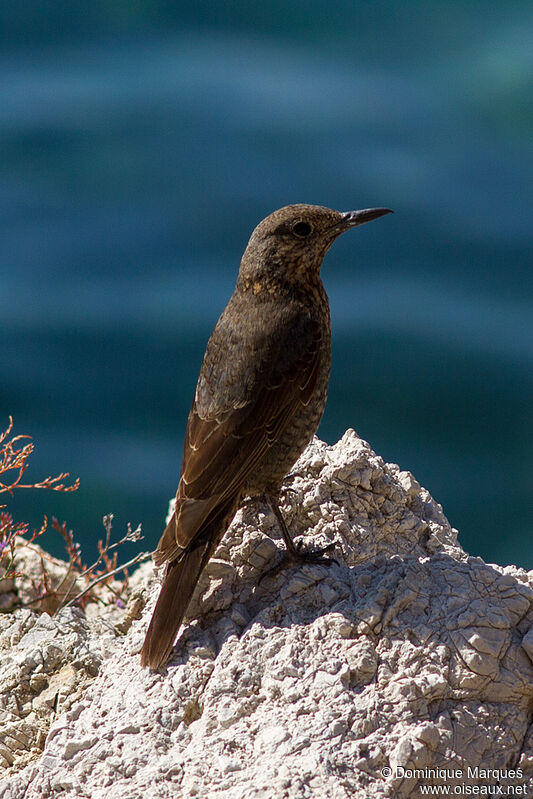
pixel 311 683
pixel 527 643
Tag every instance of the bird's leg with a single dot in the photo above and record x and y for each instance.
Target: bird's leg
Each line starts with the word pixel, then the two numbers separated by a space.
pixel 294 551
pixel 289 543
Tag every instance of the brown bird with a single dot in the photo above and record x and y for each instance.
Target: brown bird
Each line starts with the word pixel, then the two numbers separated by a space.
pixel 260 396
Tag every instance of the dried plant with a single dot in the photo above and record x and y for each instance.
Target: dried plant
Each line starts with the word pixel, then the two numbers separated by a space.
pixel 10 531
pixel 14 455
pixel 14 458
pixel 103 570
pixel 79 584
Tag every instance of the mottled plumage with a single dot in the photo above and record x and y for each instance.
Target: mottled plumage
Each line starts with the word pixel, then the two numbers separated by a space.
pixel 260 395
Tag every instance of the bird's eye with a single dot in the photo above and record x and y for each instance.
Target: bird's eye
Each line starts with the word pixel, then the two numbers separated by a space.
pixel 301 229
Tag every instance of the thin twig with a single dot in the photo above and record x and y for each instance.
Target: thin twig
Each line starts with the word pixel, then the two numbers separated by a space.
pixel 137 559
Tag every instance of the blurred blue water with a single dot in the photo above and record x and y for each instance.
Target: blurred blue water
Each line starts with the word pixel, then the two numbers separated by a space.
pixel 141 146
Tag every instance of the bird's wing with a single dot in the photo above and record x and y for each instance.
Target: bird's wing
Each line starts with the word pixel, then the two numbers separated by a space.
pixel 247 392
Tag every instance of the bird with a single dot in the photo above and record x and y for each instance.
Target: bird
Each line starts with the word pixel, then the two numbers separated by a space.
pixel 260 395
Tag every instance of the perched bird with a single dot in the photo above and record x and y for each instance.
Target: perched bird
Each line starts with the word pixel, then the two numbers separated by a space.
pixel 260 396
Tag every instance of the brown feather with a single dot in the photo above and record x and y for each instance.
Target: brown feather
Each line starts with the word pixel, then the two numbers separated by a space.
pixel 219 456
pixel 179 583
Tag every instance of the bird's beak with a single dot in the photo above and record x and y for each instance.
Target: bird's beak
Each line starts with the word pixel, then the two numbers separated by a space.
pixel 355 218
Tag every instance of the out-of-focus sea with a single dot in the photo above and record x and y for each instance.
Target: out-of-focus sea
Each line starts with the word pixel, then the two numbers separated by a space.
pixel 142 142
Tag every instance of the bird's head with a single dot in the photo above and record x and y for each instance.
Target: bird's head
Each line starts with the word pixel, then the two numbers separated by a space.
pixel 291 242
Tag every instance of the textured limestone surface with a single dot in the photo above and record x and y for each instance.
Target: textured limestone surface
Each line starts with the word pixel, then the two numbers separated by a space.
pixel 367 678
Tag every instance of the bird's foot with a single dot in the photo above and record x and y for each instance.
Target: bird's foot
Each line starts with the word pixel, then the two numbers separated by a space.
pixel 301 555
pixel 294 552
pixel 297 556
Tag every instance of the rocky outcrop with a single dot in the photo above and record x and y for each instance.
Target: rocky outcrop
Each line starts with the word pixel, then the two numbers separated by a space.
pixel 404 665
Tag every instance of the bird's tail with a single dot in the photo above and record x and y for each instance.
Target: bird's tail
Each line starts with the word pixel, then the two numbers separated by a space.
pixel 180 581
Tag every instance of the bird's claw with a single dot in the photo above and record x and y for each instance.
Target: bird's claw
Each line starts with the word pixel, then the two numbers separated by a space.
pixel 312 556
pixel 301 556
